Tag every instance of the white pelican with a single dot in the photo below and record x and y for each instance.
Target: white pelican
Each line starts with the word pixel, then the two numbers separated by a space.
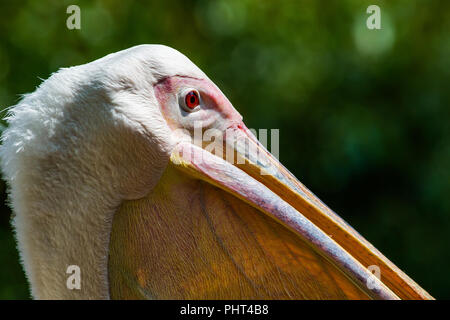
pixel 104 175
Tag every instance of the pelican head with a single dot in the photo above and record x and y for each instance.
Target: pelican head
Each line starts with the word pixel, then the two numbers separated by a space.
pixel 106 174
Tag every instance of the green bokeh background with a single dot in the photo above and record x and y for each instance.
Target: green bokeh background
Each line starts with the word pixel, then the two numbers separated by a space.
pixel 363 114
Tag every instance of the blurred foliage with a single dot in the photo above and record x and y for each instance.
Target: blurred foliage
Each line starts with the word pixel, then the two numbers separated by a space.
pixel 363 114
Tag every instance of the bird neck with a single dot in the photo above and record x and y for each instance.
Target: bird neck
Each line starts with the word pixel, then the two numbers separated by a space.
pixel 63 232
pixel 71 154
pixel 64 205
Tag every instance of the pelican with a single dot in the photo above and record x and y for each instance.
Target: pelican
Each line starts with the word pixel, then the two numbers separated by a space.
pixel 104 174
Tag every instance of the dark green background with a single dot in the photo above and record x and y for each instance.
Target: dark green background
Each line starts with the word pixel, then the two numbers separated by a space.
pixel 363 114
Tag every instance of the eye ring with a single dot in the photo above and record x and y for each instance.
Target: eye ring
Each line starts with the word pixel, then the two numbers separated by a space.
pixel 190 100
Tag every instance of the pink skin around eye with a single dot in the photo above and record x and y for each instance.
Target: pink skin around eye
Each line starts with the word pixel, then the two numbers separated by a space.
pixel 212 98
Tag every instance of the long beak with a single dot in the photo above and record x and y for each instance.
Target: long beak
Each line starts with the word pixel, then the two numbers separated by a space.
pixel 242 227
pixel 335 238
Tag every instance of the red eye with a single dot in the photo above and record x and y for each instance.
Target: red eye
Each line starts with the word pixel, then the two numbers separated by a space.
pixel 192 99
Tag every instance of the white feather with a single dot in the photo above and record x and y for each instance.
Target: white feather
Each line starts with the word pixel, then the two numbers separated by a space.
pixel 89 137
